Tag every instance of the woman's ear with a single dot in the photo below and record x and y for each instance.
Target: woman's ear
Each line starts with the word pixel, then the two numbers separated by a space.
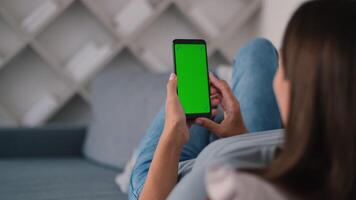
pixel 281 86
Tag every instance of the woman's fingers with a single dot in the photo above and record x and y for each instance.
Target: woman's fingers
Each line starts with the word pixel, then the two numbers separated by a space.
pixel 214 112
pixel 213 80
pixel 209 124
pixel 214 83
pixel 223 87
pixel 215 102
pixel 213 90
pixel 216 96
pixel 220 85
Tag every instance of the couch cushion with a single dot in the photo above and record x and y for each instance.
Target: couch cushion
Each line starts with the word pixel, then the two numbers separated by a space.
pixel 69 179
pixel 44 141
pixel 124 104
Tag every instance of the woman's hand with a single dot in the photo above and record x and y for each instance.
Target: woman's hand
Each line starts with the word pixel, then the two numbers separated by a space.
pixel 176 129
pixel 164 165
pixel 163 172
pixel 233 123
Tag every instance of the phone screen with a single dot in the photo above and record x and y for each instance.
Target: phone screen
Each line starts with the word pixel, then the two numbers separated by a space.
pixel 191 68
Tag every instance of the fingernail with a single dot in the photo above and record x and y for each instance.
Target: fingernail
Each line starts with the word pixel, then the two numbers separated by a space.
pixel 171 76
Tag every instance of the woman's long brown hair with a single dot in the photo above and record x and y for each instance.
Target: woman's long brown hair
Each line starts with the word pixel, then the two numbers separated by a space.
pixel 318 160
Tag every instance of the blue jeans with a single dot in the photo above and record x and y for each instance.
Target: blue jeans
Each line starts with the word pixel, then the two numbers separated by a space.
pixel 253 71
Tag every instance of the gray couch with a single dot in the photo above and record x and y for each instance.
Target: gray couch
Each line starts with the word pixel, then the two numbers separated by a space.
pixel 47 163
pixel 82 162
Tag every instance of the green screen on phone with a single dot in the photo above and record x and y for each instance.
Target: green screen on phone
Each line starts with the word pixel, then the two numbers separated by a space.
pixel 192 77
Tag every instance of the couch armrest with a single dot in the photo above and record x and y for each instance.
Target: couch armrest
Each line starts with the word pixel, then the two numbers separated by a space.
pixel 51 141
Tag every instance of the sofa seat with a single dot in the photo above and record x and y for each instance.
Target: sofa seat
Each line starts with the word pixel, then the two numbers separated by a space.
pixel 57 178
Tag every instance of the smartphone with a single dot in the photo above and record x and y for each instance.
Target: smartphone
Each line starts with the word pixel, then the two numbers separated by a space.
pixel 191 69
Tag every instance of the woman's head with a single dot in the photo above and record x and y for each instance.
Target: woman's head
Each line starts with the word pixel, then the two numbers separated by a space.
pixel 316 92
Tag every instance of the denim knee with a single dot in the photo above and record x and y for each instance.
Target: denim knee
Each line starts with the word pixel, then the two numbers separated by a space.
pixel 257 45
pixel 258 49
pixel 257 56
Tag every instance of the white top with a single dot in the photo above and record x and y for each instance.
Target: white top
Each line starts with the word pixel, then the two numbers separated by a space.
pixel 225 183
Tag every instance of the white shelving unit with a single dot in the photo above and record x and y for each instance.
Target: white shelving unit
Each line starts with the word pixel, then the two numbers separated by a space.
pixel 78 42
pixel 125 60
pixel 124 15
pixel 10 43
pixel 75 112
pixel 50 50
pixel 230 47
pixel 32 15
pixel 213 16
pixel 32 91
pixel 155 46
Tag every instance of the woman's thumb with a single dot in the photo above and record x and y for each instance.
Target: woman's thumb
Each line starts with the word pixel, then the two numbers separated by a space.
pixel 209 124
pixel 172 86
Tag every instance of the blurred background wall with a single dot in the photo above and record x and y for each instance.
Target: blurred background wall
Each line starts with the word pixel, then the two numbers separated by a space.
pixel 276 14
pixel 52 50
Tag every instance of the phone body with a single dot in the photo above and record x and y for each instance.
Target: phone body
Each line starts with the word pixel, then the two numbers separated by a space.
pixel 191 68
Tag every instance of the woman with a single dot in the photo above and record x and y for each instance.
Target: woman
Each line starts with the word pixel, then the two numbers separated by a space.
pixel 315 89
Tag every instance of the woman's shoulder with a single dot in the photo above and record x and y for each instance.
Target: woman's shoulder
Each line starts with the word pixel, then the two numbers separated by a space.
pixel 224 182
